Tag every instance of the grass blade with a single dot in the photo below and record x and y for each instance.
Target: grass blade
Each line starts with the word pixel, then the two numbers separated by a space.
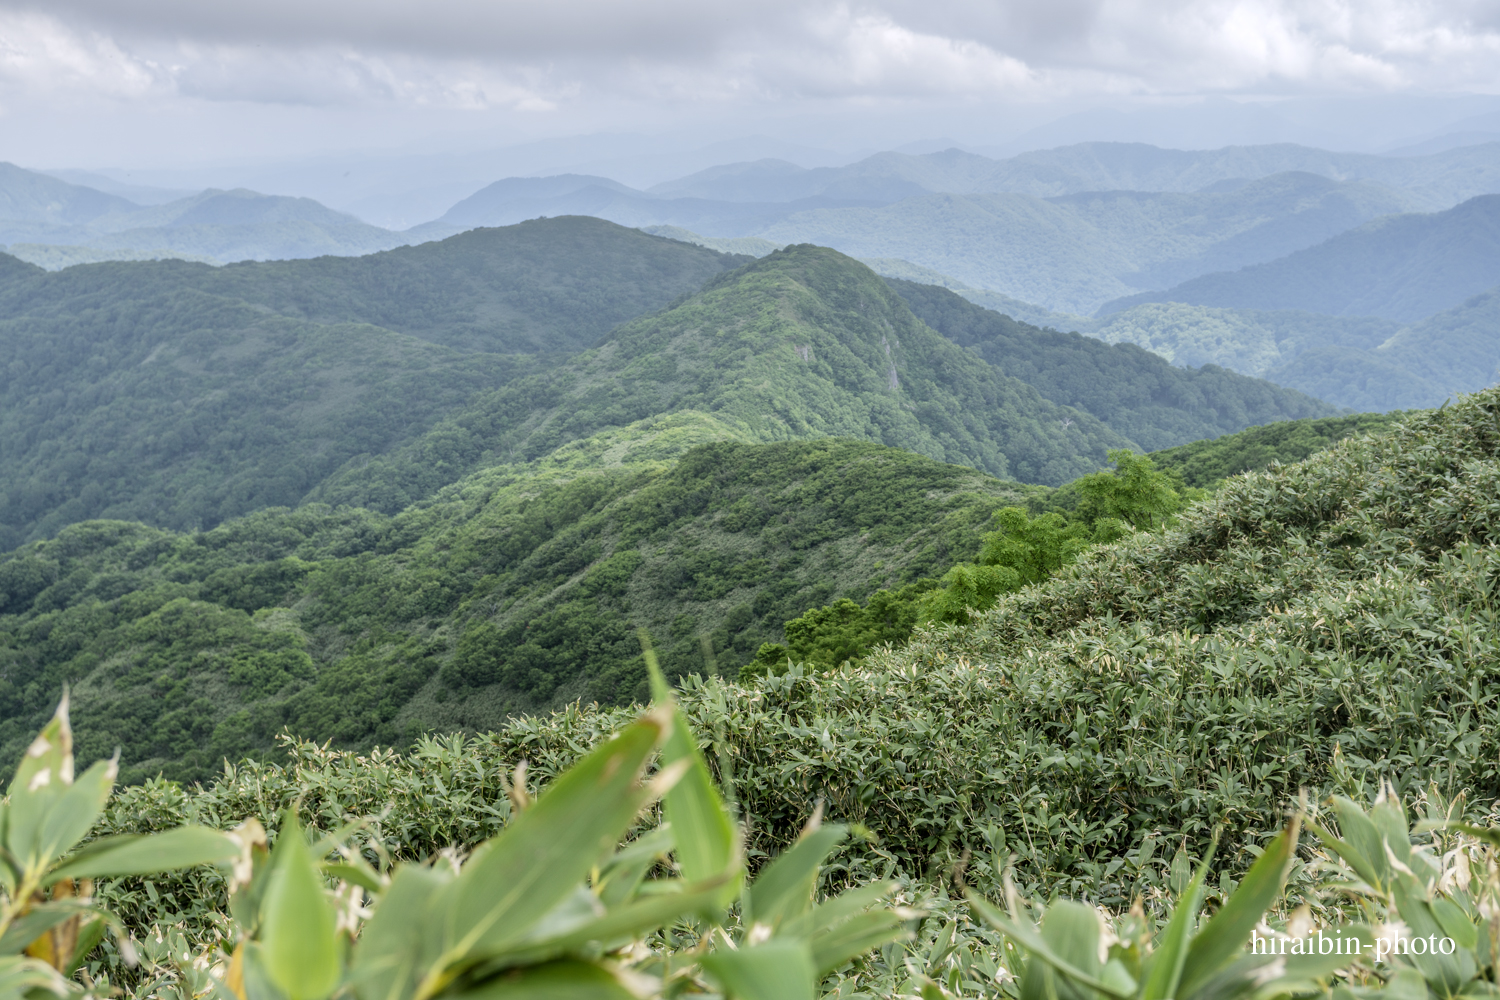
pixel 1171 951
pixel 1223 937
pixel 707 845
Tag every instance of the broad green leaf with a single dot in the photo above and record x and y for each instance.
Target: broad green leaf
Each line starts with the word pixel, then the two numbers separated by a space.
pixel 706 840
pixel 299 943
pixel 37 921
pixel 184 847
pixel 617 926
pixel 784 888
pixel 255 976
pixel 1364 849
pixel 1406 984
pixel 73 813
pixel 776 970
pixel 1037 947
pixel 1389 819
pixel 1224 936
pixel 825 915
pixel 1172 947
pixel 1455 922
pixel 44 775
pixel 1117 975
pixel 853 937
pixel 1445 974
pixel 1071 930
pixel 551 847
pixel 398 943
pixel 51 751
pixel 564 980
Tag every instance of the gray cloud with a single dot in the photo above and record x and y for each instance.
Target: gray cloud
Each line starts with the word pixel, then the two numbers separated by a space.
pixel 483 54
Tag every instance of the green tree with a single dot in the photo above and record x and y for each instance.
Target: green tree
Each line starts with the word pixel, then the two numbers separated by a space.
pixel 1135 492
pixel 843 630
pixel 1022 550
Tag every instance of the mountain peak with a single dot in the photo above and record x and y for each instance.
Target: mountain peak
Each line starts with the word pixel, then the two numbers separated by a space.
pixel 805 343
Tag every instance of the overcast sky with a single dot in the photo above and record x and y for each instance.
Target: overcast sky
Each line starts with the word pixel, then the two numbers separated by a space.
pixel 150 82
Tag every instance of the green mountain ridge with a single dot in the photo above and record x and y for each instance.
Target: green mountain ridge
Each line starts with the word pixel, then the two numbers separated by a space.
pixel 803 343
pixel 204 393
pixel 1132 391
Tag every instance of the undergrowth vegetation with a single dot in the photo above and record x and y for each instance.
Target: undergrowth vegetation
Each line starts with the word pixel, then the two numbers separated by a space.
pixel 1324 626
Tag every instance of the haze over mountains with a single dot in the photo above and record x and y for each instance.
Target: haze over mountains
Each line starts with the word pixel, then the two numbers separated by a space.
pixel 1246 257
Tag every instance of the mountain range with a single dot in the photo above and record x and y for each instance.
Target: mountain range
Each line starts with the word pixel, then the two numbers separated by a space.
pixel 205 393
pixel 367 531
pixel 1283 262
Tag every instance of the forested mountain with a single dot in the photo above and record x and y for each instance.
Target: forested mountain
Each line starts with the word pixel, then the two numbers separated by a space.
pixel 803 343
pixel 1404 267
pixel 1358 362
pixel 184 409
pixel 182 395
pixel 546 286
pixel 1457 349
pixel 1132 391
pixel 515 589
pixel 1320 619
pixel 1069 253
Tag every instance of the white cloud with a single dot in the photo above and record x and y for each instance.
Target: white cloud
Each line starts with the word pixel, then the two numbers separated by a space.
pixel 538 56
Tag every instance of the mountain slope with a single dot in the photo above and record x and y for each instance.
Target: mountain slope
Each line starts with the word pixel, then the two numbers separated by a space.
pixel 1403 267
pixel 543 286
pixel 27 196
pixel 803 343
pixel 187 409
pixel 1321 620
pixel 1133 392
pixel 1457 349
pixel 1204 463
pixel 181 395
pixel 516 589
